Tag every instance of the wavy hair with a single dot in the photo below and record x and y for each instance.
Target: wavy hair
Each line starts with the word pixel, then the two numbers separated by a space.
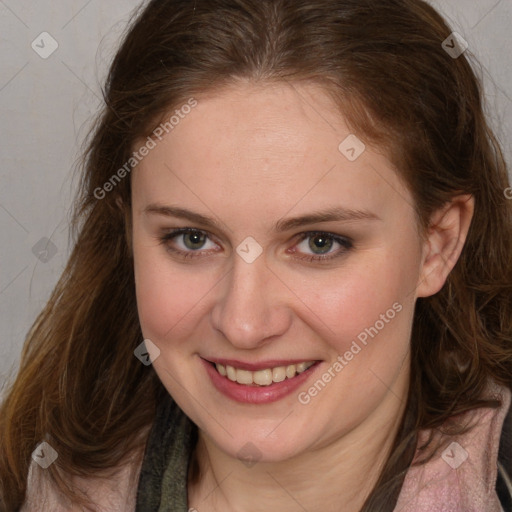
pixel 79 385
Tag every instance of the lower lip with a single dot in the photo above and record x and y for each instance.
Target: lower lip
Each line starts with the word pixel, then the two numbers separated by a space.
pixel 256 394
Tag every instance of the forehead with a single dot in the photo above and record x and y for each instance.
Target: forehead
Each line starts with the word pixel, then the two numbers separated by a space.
pixel 253 144
pixel 285 118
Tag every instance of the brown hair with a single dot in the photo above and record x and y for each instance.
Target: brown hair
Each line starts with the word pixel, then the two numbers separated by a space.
pixel 79 384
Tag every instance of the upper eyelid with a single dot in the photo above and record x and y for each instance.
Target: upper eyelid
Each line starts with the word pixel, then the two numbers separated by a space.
pixel 342 240
pixel 174 233
pixel 300 236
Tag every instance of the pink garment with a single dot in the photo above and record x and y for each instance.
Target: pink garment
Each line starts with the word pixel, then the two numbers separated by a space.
pixel 462 478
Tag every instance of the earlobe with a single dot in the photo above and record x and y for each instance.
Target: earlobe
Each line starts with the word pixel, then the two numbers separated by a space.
pixel 444 242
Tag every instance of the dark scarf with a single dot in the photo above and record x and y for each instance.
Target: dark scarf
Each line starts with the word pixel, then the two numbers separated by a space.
pixel 163 478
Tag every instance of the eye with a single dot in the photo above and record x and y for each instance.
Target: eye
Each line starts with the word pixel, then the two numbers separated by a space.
pixel 320 244
pixel 187 242
pixel 193 243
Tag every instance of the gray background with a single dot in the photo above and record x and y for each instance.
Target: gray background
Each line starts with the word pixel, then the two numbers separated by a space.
pixel 48 104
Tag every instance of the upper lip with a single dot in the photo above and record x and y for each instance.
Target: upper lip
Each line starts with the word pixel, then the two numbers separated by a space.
pixel 261 365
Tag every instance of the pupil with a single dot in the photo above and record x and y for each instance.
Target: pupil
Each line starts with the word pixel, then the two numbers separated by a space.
pixel 194 239
pixel 320 242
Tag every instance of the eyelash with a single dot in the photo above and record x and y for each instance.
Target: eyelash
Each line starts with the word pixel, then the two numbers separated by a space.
pixel 345 243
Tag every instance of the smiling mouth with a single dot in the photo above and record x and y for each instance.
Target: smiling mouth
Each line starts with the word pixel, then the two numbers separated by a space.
pixel 264 377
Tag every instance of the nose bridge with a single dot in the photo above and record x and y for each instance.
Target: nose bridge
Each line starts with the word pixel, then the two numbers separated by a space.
pixel 250 308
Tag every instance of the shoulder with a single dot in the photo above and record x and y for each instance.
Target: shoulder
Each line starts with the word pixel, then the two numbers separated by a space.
pixel 462 476
pixel 108 494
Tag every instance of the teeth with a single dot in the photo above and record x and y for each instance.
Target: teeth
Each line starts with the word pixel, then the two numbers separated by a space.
pixel 244 377
pixel 290 371
pixel 279 374
pixel 221 369
pixel 231 373
pixel 263 377
pixel 301 367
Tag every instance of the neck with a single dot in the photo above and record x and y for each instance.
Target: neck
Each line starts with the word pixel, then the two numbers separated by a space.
pixel 341 471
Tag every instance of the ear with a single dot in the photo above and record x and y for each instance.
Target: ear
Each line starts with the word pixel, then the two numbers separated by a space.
pixel 443 245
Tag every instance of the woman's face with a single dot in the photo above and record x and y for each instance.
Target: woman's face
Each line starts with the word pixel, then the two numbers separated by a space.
pixel 302 250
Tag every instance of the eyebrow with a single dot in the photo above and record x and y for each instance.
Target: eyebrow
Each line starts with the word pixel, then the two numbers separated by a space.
pixel 329 215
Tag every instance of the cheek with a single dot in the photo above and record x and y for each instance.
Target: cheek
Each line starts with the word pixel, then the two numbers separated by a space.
pixel 166 295
pixel 368 311
pixel 360 296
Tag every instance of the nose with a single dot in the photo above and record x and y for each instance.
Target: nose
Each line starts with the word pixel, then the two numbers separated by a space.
pixel 251 309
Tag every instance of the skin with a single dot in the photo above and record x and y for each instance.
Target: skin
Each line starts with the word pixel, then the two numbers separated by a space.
pixel 248 156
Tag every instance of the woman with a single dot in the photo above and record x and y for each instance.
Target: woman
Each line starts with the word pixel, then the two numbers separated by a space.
pixel 299 207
